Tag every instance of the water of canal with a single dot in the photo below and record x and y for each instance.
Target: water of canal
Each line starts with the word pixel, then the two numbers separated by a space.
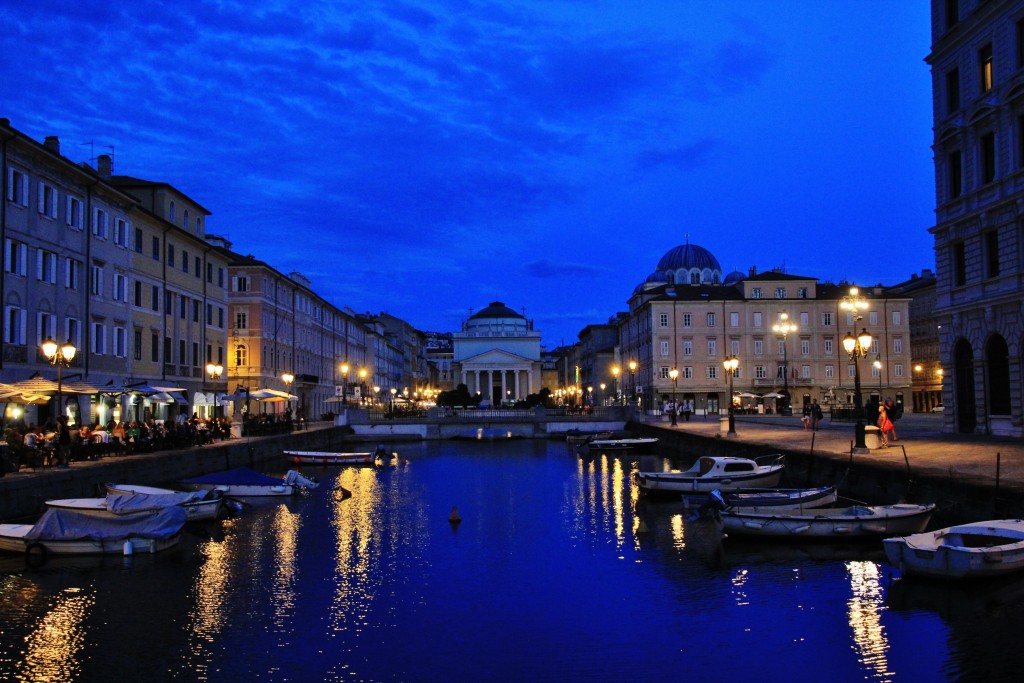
pixel 559 571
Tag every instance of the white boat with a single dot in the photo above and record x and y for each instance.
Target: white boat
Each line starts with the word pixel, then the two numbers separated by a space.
pixel 64 532
pixel 618 444
pixel 243 482
pixel 717 472
pixel 329 458
pixel 120 500
pixel 815 497
pixel 577 437
pixel 857 521
pixel 965 551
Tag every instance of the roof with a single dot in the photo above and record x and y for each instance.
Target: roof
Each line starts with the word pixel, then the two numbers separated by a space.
pixel 497 309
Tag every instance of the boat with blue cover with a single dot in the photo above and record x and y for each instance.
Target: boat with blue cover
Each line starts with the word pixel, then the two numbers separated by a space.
pixel 243 482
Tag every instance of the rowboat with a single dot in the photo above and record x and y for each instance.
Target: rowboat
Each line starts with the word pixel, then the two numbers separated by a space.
pixel 716 472
pixel 199 505
pixel 328 458
pixel 65 532
pixel 618 444
pixel 576 437
pixel 816 497
pixel 965 551
pixel 243 482
pixel 857 521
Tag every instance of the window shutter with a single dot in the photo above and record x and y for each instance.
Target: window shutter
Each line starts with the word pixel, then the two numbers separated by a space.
pixel 22 319
pixel 10 184
pixel 39 264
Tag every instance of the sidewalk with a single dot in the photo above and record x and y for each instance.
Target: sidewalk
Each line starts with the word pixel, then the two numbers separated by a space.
pixel 929 452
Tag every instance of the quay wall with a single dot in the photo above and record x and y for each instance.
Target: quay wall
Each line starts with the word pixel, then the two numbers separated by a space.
pixel 23 495
pixel 958 499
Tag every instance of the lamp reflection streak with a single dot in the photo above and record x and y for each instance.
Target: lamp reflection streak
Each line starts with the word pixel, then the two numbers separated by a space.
pixel 52 651
pixel 864 612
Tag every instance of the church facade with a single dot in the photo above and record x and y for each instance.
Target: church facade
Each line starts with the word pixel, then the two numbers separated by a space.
pixel 497 355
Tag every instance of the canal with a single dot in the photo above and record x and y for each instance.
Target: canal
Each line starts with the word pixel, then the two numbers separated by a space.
pixel 558 571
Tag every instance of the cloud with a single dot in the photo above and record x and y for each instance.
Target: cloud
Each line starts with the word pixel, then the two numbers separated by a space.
pixel 545 268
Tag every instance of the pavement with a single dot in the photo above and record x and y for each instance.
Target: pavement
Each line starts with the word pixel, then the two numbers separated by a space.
pixel 921 445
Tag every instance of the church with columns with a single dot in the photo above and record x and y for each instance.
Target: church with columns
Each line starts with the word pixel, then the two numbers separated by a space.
pixel 497 354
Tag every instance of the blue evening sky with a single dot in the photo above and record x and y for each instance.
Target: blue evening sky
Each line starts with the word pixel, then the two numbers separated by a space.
pixel 425 157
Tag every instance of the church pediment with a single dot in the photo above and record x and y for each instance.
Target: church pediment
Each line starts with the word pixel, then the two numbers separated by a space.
pixel 496 357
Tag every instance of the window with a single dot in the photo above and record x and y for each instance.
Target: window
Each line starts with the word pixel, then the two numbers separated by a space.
pixel 195 354
pixel 758 319
pixel 195 310
pixel 73 331
pixel 805 318
pixel 874 345
pixel 760 372
pixel 120 342
pixel 241 355
pixel 663 372
pixel 897 318
pixel 184 218
pixel 664 347
pixel 172 212
pixel 138 293
pixel 952 90
pixel 167 350
pixel 782 347
pixel 17 187
pixel 734 319
pixel 47 200
pixel 872 317
pixel 805 346
pixel 780 372
pixel 712 372
pixel 805 371
pixel 712 347
pixel 755 293
pixel 170 255
pixel 985 68
pixel 687 320
pixel 992 253
pixel 688 372
pixel 955 170
pixel 209 273
pixel 137 344
pixel 184 261
pixel 827 345
pixel 74 213
pixel 15 255
pixel 46 266
pixel 99 339
pixel 830 371
pixel 687 347
pixel 220 317
pixel 199 268
pixel 154 301
pixel 711 319
pixel 96 280
pixel 801 292
pixel 72 273
pixel 241 319
pixel 952 13
pixel 663 320
pixel 897 369
pixel 14 325
pixel 154 347
pixel 182 358
pixel 780 292
pixel 99 223
pixel 850 371
pixel 1020 43
pixel 734 347
pixel 156 248
pixel 897 345
pixel 182 306
pixel 959 264
pixel 759 347
pixel 168 302
pixel 826 319
pixel 876 371
pixel 121 229
pixel 46 326
pixel 138 240
pixel 987 152
pixel 120 287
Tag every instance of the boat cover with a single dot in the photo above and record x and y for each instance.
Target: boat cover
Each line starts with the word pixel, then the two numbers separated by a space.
pixel 241 476
pixel 123 503
pixel 66 525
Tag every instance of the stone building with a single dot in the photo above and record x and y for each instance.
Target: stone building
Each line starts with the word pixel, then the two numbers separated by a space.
pixel 977 66
pixel 497 354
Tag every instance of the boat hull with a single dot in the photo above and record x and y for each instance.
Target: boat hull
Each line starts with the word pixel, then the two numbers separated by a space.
pixel 619 444
pixel 197 511
pixel 679 482
pixel 250 490
pixel 827 523
pixel 12 540
pixel 821 496
pixel 327 458
pixel 967 551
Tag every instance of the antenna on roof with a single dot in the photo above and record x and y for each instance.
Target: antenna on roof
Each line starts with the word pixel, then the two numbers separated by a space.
pixel 470 311
pixel 92 151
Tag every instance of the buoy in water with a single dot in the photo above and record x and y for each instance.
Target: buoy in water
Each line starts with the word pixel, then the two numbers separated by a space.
pixel 128 548
pixel 454 517
pixel 642 527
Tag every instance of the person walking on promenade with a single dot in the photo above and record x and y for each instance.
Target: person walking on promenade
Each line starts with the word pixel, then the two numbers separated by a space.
pixel 63 442
pixel 816 414
pixel 894 414
pixel 884 424
pixel 805 416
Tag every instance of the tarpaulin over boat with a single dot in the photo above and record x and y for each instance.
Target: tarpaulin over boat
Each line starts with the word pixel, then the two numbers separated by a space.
pixel 66 525
pixel 122 503
pixel 241 476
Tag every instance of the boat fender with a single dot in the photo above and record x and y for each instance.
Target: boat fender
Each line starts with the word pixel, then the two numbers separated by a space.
pixel 128 548
pixel 873 528
pixel 36 554
pixel 843 529
pixel 800 529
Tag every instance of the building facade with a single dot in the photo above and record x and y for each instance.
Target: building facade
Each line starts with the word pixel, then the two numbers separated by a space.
pixel 977 65
pixel 497 354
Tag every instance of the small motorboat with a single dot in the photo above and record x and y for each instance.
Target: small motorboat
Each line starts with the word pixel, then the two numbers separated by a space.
pixel 816 497
pixel 66 532
pixel 329 458
pixel 856 521
pixel 965 551
pixel 613 444
pixel 576 437
pixel 243 482
pixel 200 505
pixel 716 472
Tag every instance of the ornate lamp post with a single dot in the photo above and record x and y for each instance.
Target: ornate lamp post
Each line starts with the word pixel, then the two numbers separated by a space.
pixel 288 378
pixel 857 348
pixel 344 383
pixel 394 392
pixel 877 365
pixel 784 327
pixel 618 388
pixel 603 385
pixel 632 379
pixel 214 371
pixel 362 382
pixel 674 374
pixel 60 356
pixel 731 363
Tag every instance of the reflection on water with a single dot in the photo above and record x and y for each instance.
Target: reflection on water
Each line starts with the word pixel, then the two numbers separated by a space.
pixel 560 570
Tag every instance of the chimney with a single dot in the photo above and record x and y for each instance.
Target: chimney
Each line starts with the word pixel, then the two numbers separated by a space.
pixel 52 143
pixel 753 271
pixel 104 165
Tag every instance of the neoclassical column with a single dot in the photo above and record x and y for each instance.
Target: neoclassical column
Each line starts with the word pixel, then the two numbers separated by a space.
pixel 504 373
pixel 517 373
pixel 479 390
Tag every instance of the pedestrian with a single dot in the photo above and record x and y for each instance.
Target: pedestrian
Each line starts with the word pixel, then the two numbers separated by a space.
pixel 805 417
pixel 884 424
pixel 672 412
pixel 687 409
pixel 895 413
pixel 63 442
pixel 816 414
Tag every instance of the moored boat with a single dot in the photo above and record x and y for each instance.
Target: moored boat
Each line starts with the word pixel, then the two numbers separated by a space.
pixel 716 472
pixel 199 505
pixel 613 444
pixel 243 482
pixel 965 551
pixel 65 532
pixel 329 458
pixel 576 437
pixel 856 521
pixel 815 497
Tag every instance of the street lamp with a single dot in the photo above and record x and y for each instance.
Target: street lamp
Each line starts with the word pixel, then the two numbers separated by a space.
pixel 288 378
pixel 878 368
pixel 784 327
pixel 214 371
pixel 362 379
pixel 344 383
pixel 603 397
pixel 731 363
pixel 856 347
pixel 674 374
pixel 618 387
pixel 394 392
pixel 632 378
pixel 59 356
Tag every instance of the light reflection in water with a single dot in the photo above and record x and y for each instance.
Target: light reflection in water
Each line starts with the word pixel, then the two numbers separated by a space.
pixel 864 612
pixel 53 647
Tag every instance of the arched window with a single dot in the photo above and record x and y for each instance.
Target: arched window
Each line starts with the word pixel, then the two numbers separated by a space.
pixel 241 355
pixel 184 218
pixel 171 211
pixel 997 357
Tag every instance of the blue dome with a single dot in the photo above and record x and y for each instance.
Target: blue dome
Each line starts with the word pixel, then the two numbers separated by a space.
pixel 687 257
pixel 733 277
